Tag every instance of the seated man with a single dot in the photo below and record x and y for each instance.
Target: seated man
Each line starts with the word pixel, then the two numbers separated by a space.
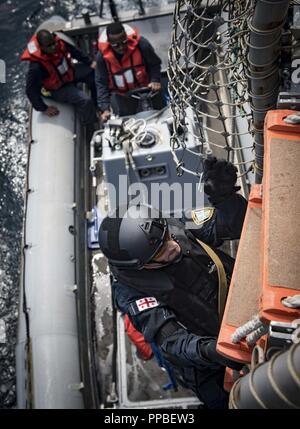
pixel 126 61
pixel 168 282
pixel 52 74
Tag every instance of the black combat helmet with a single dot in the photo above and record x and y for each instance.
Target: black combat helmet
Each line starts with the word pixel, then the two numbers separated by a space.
pixel 131 240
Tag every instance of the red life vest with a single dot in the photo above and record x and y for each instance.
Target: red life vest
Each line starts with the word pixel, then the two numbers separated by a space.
pixel 130 72
pixel 59 65
pixel 138 340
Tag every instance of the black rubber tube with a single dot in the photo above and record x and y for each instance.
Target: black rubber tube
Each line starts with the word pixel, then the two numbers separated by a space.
pixel 272 385
pixel 263 67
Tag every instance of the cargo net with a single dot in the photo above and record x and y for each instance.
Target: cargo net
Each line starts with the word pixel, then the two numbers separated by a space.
pixel 208 82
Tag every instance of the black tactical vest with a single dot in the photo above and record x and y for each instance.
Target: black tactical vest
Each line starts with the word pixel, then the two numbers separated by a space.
pixel 189 287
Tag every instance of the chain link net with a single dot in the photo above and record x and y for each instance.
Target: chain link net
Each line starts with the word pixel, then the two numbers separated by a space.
pixel 208 77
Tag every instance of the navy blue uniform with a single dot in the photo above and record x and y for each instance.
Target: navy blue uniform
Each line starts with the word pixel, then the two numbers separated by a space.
pixel 177 306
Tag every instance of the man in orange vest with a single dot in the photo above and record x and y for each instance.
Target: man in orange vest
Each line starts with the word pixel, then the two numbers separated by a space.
pixel 52 74
pixel 125 61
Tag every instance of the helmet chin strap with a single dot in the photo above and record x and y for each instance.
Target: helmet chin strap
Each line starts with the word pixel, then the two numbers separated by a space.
pixel 156 265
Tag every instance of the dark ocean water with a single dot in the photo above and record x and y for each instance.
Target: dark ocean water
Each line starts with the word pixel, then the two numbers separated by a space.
pixel 18 20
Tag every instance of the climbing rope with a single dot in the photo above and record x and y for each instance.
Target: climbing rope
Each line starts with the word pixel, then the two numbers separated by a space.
pixel 252 330
pixel 292 301
pixel 293 119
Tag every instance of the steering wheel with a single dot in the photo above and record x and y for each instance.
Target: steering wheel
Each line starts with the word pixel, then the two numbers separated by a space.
pixel 143 92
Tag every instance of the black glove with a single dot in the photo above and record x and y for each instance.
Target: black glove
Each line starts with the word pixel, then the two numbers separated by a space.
pixel 208 350
pixel 219 179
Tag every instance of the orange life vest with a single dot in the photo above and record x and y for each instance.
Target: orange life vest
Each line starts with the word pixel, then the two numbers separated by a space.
pixel 59 65
pixel 130 72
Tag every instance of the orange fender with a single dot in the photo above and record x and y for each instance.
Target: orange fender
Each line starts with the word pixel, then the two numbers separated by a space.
pixel 281 212
pixel 244 292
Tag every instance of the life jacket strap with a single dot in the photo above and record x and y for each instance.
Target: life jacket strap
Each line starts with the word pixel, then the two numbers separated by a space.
pixel 223 287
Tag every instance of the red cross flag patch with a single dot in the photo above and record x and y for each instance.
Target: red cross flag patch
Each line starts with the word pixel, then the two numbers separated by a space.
pixel 145 303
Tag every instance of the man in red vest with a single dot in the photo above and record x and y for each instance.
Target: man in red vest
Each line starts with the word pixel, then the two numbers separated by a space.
pixel 52 74
pixel 125 61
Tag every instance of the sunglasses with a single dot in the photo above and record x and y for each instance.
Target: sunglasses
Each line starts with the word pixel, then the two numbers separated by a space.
pixel 121 43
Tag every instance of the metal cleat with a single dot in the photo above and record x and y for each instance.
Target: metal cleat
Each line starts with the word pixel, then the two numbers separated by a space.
pixel 281 334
